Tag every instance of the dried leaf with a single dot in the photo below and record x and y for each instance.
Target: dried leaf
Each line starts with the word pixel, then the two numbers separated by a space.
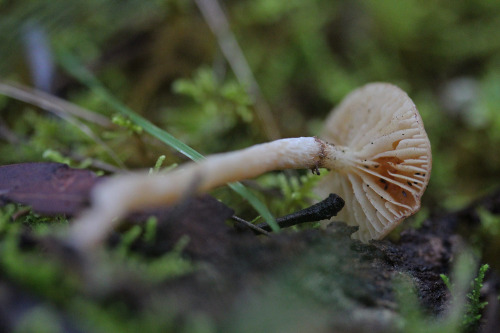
pixel 49 188
pixel 55 188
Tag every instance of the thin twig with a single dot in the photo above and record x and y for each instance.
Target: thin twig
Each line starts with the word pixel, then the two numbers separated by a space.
pixel 250 225
pixel 88 131
pixel 218 23
pixel 50 103
pixel 63 109
pixel 323 210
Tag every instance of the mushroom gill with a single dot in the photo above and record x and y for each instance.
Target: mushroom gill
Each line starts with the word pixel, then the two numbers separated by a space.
pixel 389 157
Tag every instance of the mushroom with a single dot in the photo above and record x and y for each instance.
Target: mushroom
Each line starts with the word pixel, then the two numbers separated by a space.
pixel 387 159
pixel 376 147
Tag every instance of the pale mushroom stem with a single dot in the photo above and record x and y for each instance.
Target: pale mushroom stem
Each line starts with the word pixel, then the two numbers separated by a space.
pixel 119 195
pixel 382 158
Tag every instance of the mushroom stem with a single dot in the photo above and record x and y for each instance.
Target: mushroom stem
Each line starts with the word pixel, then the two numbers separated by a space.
pixel 114 198
pixel 379 150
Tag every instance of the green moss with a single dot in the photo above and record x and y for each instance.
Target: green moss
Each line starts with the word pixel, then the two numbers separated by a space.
pixel 39 273
pixel 158 164
pixel 473 304
pixel 6 213
pixel 150 230
pixel 214 108
pixel 127 124
pixel 170 265
pixel 45 275
pixel 296 191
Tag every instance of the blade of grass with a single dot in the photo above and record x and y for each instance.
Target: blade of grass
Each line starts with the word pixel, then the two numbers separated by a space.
pixel 78 71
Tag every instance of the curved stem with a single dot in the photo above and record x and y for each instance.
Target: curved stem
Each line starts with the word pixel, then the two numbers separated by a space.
pixel 114 198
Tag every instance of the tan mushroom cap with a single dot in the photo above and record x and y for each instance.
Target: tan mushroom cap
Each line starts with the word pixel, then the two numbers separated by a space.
pixel 389 157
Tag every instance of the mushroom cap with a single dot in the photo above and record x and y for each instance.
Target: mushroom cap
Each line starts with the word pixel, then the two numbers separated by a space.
pixel 389 157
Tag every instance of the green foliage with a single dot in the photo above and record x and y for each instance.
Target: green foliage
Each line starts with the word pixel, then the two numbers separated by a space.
pixel 168 266
pixel 43 136
pixel 38 273
pixel 44 274
pixel 6 213
pixel 446 281
pixel 56 156
pixel 216 99
pixel 37 133
pixel 150 230
pixel 490 223
pixel 127 124
pixel 474 306
pixel 51 132
pixel 158 164
pixel 128 237
pixel 42 225
pixel 213 108
pixel 71 64
pixel 297 191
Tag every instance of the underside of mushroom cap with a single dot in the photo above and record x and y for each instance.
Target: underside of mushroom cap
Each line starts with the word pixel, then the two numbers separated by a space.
pixel 389 157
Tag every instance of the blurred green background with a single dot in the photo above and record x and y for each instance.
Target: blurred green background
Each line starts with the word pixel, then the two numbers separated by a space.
pixel 162 59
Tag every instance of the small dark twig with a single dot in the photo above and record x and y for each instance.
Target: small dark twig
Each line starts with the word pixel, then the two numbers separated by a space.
pixel 321 211
pixel 250 225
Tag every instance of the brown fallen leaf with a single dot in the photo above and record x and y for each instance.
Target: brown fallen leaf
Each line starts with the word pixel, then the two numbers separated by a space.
pixel 49 188
pixel 55 188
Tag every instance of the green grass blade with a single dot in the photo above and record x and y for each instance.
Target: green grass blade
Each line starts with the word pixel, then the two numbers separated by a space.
pixel 85 77
pixel 72 66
